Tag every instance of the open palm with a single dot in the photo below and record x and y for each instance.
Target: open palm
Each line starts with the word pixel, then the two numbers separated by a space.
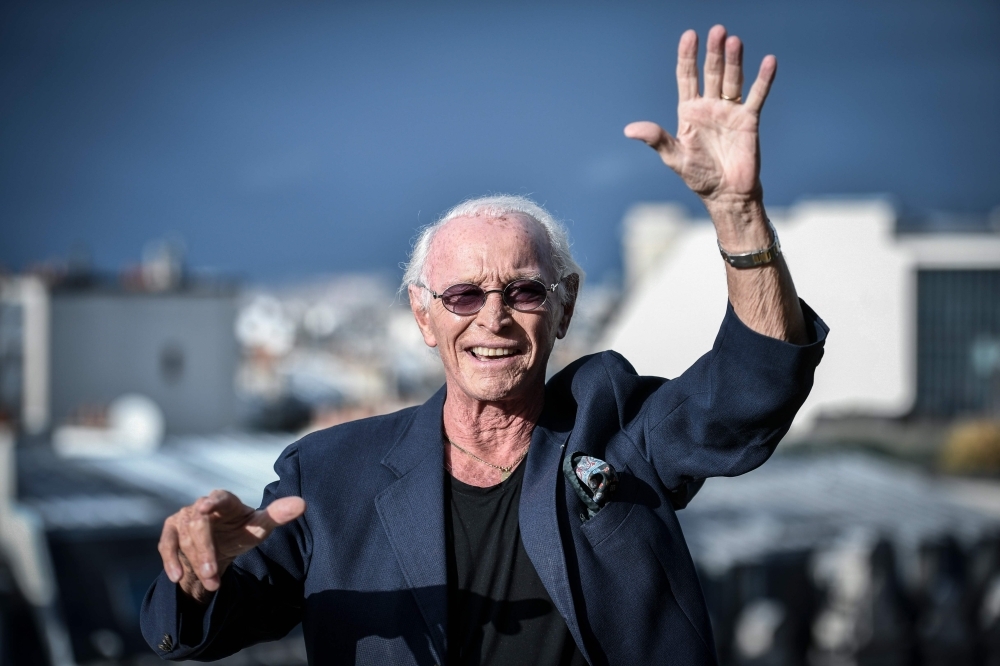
pixel 716 150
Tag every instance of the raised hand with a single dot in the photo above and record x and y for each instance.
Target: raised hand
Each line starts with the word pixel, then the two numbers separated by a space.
pixel 716 150
pixel 200 541
pixel 717 153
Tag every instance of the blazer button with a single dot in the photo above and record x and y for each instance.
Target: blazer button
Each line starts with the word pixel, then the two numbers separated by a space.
pixel 167 644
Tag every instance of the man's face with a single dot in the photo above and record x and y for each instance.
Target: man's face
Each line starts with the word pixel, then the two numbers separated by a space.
pixel 497 354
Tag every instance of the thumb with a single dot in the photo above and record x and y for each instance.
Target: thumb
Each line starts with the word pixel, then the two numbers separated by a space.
pixel 278 512
pixel 655 137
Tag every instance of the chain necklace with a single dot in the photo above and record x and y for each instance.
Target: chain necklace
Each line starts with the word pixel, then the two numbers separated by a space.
pixel 504 471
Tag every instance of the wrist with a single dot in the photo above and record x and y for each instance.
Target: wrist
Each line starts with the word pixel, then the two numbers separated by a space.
pixel 741 223
pixel 756 258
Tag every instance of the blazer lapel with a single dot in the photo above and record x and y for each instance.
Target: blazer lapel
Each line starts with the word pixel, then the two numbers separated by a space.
pixel 538 519
pixel 412 514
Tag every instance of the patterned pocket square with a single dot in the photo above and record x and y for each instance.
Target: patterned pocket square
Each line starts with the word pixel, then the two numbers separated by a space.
pixel 592 479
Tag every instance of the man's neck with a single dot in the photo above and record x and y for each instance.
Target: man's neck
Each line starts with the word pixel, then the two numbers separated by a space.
pixel 496 432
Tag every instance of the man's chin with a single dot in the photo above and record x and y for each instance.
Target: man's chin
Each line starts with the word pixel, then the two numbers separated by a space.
pixel 499 391
pixel 493 394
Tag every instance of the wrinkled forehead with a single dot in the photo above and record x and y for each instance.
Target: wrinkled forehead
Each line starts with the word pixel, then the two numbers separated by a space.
pixel 476 249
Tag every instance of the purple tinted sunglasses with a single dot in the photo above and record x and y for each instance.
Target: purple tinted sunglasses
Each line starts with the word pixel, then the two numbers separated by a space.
pixel 523 295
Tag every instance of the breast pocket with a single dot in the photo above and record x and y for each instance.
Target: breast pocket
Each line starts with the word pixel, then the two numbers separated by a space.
pixel 611 516
pixel 633 497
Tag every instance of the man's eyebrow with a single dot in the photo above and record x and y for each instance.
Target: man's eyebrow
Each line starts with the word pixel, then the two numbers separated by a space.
pixel 479 279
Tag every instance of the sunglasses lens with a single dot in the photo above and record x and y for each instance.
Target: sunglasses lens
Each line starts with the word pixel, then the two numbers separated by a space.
pixel 525 295
pixel 467 299
pixel 463 299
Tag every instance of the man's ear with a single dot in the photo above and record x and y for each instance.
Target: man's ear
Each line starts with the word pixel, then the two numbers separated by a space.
pixel 572 285
pixel 422 316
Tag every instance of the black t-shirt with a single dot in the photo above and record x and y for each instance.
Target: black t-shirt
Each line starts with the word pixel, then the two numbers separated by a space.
pixel 498 610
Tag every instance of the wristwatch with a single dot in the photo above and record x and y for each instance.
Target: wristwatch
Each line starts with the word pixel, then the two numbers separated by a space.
pixel 757 257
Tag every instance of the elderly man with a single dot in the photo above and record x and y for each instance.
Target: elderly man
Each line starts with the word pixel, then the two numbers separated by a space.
pixel 506 520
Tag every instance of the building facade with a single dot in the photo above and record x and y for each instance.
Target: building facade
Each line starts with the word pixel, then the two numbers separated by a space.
pixel 914 314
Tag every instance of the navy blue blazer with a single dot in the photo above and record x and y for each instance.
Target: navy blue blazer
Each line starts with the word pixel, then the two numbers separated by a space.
pixel 364 568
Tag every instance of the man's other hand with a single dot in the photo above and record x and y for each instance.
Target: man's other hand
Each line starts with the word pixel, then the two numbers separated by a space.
pixel 200 541
pixel 716 150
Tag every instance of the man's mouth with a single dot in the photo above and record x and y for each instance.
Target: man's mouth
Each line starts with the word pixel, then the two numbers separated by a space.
pixel 494 352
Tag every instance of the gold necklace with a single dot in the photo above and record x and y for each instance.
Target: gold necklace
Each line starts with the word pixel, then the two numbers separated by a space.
pixel 504 471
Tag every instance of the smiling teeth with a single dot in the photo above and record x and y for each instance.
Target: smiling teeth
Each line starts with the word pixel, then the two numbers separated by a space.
pixel 490 351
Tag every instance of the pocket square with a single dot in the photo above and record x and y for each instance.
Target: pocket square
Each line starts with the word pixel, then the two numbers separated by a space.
pixel 592 479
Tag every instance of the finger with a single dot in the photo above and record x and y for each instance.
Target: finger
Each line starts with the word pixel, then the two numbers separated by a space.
pixel 761 87
pixel 732 84
pixel 224 508
pixel 656 138
pixel 278 512
pixel 168 546
pixel 199 547
pixel 714 63
pixel 687 66
pixel 220 501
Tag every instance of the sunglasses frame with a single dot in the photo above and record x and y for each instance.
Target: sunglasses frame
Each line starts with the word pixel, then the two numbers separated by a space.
pixel 503 295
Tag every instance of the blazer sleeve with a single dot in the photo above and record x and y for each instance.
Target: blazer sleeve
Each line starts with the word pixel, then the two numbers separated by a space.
pixel 725 415
pixel 260 597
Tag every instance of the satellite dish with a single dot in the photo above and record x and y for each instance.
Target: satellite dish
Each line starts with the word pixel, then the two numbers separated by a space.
pixel 135 426
pixel 136 422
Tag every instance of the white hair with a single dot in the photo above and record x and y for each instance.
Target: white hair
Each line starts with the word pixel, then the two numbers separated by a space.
pixel 497 206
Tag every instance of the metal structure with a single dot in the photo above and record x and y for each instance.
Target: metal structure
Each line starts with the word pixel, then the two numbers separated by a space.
pixel 958 343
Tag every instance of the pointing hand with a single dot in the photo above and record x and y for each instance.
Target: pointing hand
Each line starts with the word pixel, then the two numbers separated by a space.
pixel 200 541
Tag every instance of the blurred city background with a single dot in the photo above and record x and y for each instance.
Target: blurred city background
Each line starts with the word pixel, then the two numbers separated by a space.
pixel 203 209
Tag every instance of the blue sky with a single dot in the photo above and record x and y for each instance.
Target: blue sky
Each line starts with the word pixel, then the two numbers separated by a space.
pixel 281 140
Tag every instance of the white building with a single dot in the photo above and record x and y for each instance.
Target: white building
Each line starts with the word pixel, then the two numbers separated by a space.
pixel 863 278
pixel 24 352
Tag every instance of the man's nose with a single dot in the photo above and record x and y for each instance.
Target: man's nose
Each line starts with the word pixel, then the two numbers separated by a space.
pixel 494 314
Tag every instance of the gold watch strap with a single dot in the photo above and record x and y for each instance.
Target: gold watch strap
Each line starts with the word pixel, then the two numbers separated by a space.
pixel 755 258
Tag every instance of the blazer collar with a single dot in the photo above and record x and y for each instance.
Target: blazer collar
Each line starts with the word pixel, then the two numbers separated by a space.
pixel 412 513
pixel 538 510
pixel 422 437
